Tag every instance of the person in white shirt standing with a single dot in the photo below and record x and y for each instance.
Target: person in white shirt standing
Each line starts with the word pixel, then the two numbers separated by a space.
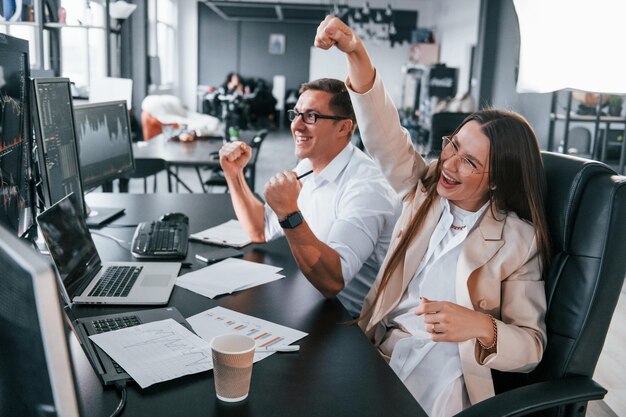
pixel 338 221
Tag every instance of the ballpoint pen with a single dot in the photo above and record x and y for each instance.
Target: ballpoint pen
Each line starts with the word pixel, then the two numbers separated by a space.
pixel 289 348
pixel 304 175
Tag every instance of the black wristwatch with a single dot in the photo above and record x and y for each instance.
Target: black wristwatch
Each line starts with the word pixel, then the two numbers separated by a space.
pixel 292 220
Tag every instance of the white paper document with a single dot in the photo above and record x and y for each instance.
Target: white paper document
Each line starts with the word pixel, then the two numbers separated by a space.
pixel 267 335
pixel 156 351
pixel 230 233
pixel 227 276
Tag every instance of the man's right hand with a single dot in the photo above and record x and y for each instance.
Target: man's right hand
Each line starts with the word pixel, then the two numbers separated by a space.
pixel 233 157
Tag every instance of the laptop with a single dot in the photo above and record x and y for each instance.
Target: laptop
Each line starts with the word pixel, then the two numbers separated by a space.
pixel 88 280
pixel 109 372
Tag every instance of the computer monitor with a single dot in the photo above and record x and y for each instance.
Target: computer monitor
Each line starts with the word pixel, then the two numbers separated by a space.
pixel 57 147
pixel 104 142
pixel 17 208
pixel 36 375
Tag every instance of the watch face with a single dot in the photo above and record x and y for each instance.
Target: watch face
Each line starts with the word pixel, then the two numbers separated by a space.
pixel 293 220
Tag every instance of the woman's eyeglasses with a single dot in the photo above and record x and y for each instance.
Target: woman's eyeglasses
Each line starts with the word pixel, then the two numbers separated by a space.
pixel 310 118
pixel 450 149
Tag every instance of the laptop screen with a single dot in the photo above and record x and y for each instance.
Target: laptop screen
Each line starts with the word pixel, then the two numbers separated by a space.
pixel 69 242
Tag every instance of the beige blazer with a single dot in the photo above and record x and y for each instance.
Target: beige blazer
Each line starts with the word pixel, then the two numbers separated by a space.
pixel 498 272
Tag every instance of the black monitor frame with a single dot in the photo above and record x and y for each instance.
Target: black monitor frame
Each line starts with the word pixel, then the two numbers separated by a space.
pixel 90 183
pixel 26 210
pixel 42 148
pixel 36 372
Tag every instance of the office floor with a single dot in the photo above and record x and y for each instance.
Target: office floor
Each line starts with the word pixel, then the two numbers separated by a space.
pixel 277 154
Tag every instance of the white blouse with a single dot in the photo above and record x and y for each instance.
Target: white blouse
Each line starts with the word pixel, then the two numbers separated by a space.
pixel 432 371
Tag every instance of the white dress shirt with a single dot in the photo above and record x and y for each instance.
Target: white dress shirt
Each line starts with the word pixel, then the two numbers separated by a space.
pixel 350 207
pixel 432 370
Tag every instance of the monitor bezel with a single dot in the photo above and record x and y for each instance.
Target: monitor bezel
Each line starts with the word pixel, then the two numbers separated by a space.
pixel 87 185
pixel 51 322
pixel 41 149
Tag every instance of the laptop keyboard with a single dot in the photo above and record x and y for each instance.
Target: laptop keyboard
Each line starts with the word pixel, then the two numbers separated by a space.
pixel 116 281
pixel 160 239
pixel 107 325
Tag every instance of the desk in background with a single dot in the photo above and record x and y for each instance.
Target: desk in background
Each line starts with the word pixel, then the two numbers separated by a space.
pixel 199 153
pixel 336 373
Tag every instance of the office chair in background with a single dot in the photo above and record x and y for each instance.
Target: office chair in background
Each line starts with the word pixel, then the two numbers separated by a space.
pixel 216 176
pixel 579 142
pixel 144 168
pixel 586 205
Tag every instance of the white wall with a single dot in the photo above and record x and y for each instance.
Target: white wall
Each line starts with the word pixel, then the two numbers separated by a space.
pixel 187 52
pixel 388 62
pixel 456 30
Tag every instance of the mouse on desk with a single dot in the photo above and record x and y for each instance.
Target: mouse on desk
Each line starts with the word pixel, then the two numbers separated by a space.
pixel 175 217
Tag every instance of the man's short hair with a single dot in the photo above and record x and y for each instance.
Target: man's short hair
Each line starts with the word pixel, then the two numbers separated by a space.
pixel 340 102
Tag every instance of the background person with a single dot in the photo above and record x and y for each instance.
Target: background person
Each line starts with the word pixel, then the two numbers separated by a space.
pixel 232 84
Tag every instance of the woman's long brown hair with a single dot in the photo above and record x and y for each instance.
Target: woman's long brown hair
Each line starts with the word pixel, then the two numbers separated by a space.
pixel 516 177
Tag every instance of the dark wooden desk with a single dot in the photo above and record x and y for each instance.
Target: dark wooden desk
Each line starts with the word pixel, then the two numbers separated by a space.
pixel 336 373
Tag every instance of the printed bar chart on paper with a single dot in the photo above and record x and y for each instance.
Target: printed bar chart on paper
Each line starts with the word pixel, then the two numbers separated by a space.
pixel 219 320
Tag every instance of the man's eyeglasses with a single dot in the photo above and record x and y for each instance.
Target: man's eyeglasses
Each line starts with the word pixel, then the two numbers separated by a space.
pixel 450 149
pixel 310 118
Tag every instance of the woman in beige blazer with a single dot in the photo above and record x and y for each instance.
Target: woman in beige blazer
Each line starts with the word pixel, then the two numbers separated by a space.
pixel 485 269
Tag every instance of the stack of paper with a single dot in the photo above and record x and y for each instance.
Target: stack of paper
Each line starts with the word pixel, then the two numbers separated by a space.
pixel 227 276
pixel 230 233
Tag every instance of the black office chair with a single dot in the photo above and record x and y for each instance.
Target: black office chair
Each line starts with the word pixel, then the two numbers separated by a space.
pixel 144 168
pixel 586 208
pixel 216 176
pixel 442 124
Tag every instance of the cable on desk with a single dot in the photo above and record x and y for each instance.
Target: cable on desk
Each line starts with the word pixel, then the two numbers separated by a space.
pixel 122 243
pixel 121 386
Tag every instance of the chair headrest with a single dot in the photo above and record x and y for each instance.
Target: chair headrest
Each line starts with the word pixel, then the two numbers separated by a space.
pixel 567 177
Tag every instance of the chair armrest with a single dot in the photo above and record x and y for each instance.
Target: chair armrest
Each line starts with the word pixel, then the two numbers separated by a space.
pixel 535 397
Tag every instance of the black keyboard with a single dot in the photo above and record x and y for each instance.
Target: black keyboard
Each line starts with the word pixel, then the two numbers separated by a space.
pixel 161 240
pixel 107 325
pixel 116 281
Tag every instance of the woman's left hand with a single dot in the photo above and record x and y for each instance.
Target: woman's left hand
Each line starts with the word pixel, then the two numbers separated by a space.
pixel 450 322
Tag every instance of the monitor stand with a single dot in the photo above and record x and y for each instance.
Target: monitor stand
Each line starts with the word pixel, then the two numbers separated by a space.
pixel 97 216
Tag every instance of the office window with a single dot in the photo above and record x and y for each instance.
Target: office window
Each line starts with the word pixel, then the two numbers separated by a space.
pixel 83 41
pixel 162 18
pixel 83 54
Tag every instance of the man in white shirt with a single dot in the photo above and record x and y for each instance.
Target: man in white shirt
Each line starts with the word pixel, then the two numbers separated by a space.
pixel 338 221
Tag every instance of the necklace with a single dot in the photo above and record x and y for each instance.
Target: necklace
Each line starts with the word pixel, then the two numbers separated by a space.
pixel 453 227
